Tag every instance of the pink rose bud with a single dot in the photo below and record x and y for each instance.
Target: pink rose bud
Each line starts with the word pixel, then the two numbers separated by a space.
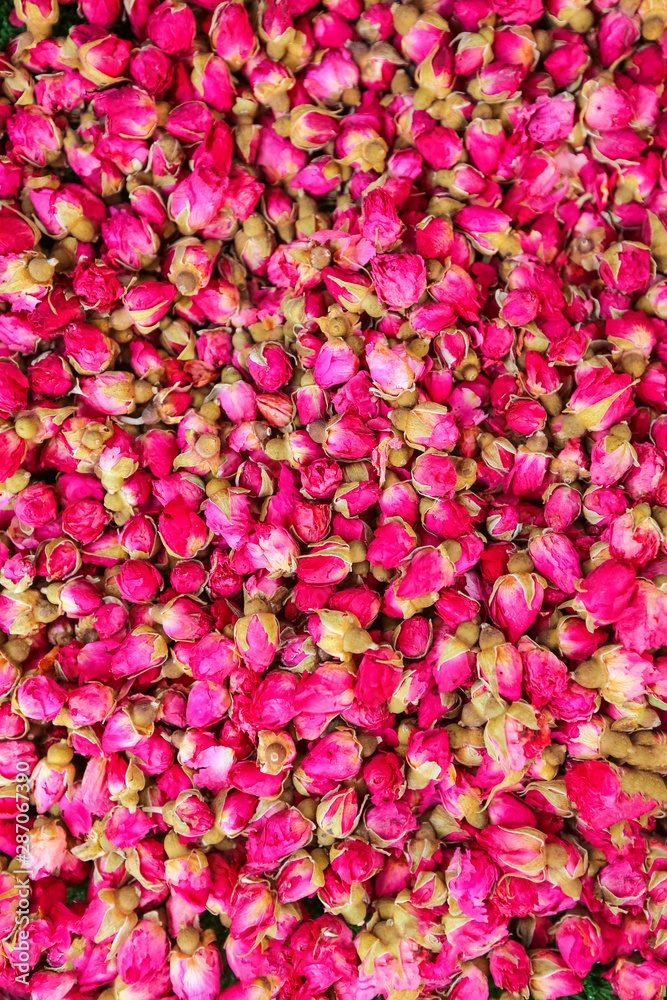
pixel 171 27
pixel 129 112
pixel 399 279
pixel 280 831
pixel 147 302
pixel 101 12
pixel 35 137
pixel 502 669
pixel 555 557
pixel 390 823
pixel 605 593
pixel 194 966
pixel 337 813
pixel 515 602
pixel 379 221
pixel 550 976
pixel 257 639
pixel 510 966
pixel 39 698
pixel 334 758
pixel 211 81
pixel 562 506
pixel 111 393
pixel 299 878
pixel 329 75
pixel 130 240
pixel 231 34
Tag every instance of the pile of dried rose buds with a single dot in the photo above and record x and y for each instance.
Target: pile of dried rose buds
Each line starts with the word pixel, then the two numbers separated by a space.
pixel 333 497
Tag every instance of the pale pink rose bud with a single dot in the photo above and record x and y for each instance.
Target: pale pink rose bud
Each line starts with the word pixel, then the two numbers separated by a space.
pixel 399 279
pixel 562 506
pixel 299 878
pixel 605 593
pixel 39 698
pixel 194 968
pixel 171 27
pixel 390 823
pixel 331 72
pixel 111 393
pixel 257 639
pixel 550 976
pixel 510 967
pixel 337 813
pixel 555 557
pixel 516 600
pixel 379 220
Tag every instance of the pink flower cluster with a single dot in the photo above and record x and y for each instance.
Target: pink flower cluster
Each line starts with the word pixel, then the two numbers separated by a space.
pixel 333 497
